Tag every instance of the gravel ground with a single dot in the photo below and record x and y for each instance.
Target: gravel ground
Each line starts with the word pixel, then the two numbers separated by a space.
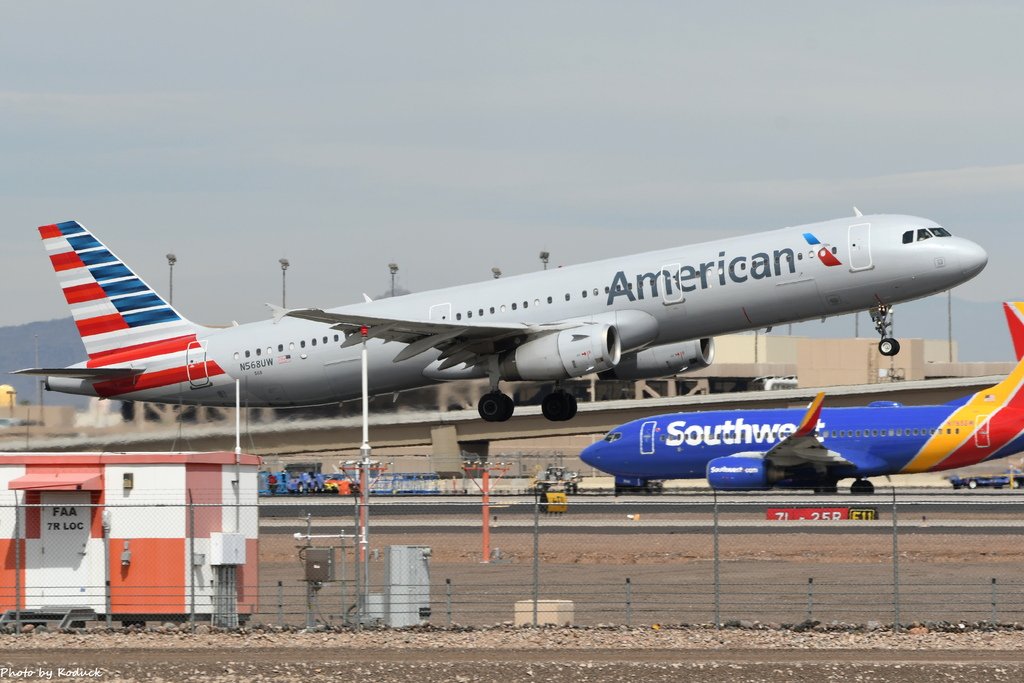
pixel 652 654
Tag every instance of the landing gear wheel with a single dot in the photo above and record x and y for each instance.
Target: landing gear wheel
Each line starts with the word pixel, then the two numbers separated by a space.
pixel 862 486
pixel 495 407
pixel 559 406
pixel 888 346
pixel 881 315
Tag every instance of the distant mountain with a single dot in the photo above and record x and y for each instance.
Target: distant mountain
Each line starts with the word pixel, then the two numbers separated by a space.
pixel 59 346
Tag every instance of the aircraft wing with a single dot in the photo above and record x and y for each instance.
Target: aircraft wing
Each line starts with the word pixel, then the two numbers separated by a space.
pixel 803 445
pixel 461 342
pixel 83 373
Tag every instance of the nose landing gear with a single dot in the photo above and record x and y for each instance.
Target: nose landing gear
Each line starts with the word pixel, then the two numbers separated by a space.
pixel 881 315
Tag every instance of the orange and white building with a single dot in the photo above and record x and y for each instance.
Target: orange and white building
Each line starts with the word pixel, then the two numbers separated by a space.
pixel 140 532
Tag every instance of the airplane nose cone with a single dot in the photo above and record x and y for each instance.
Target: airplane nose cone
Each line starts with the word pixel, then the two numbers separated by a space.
pixel 973 258
pixel 591 455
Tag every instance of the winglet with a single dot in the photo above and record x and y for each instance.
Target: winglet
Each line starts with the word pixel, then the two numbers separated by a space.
pixel 1015 321
pixel 277 312
pixel 810 422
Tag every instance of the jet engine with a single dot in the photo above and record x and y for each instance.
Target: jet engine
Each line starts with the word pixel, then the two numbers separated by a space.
pixel 664 361
pixel 742 472
pixel 561 355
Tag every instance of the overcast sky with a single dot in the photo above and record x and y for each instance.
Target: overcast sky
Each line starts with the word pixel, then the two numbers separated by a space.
pixel 452 137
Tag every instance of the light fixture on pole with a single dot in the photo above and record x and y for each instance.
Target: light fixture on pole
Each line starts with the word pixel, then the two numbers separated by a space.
pixel 284 266
pixel 393 267
pixel 496 272
pixel 171 260
pixel 544 257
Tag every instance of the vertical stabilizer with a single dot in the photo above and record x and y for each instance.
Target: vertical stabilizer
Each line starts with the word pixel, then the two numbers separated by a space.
pixel 113 308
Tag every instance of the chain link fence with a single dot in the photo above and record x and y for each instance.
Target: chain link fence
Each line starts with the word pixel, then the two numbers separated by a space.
pixel 697 558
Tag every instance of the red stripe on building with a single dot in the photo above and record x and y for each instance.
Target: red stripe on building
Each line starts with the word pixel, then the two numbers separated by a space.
pixel 86 292
pixel 152 380
pixel 66 261
pixel 101 324
pixel 49 231
pixel 204 483
pixel 137 351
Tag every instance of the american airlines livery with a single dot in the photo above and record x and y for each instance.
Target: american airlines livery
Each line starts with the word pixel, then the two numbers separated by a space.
pixel 630 317
pixel 759 449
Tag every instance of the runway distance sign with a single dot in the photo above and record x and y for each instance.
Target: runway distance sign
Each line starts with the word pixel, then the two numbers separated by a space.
pixel 820 514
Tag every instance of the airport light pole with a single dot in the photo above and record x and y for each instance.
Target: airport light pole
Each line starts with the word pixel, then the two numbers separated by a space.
pixel 496 272
pixel 171 260
pixel 544 256
pixel 949 325
pixel 284 267
pixel 393 267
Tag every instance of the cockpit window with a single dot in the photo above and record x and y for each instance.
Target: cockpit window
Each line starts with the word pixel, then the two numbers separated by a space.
pixel 941 232
pixel 908 237
pixel 612 436
pixel 923 234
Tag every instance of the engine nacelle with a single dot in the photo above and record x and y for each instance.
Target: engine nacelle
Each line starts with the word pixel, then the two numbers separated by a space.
pixel 743 472
pixel 561 355
pixel 664 361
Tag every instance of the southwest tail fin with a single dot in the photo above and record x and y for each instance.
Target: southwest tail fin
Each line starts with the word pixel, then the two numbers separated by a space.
pixel 113 308
pixel 1014 311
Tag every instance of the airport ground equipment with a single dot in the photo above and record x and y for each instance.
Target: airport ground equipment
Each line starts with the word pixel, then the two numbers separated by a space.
pixel 557 478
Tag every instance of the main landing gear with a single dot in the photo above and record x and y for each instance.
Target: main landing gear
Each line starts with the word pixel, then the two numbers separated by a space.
pixel 495 406
pixel 881 315
pixel 862 486
pixel 559 406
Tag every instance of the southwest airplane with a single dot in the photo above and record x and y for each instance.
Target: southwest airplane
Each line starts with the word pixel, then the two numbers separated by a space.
pixel 760 449
pixel 630 317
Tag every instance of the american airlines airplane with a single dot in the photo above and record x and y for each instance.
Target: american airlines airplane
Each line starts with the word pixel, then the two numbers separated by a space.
pixel 744 450
pixel 629 317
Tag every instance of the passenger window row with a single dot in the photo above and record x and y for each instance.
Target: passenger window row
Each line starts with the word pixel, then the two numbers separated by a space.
pixel 291 347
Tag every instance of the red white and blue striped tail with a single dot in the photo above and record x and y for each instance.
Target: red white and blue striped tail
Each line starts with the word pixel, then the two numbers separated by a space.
pixel 113 308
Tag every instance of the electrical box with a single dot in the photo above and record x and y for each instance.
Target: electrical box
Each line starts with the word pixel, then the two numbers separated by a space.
pixel 227 548
pixel 319 564
pixel 407 571
pixel 128 481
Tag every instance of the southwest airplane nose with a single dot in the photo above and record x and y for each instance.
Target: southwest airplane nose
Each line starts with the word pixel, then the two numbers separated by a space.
pixel 591 455
pixel 973 258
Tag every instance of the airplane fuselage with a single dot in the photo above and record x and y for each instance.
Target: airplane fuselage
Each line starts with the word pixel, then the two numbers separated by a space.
pixel 655 298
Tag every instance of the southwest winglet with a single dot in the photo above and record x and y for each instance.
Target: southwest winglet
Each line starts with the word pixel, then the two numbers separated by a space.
pixel 810 422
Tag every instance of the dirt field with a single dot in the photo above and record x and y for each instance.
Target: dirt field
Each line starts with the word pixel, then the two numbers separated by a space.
pixel 781 578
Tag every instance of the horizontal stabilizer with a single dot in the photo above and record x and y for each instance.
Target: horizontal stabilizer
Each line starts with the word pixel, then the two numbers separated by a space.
pixel 83 373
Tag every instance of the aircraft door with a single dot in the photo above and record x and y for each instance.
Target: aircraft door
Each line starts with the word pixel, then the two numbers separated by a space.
pixel 981 439
pixel 647 437
pixel 671 293
pixel 860 246
pixel 195 365
pixel 441 312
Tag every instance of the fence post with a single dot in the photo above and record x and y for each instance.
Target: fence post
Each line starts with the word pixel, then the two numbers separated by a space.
pixel 448 600
pixel 993 601
pixel 895 565
pixel 280 603
pixel 629 602
pixel 536 552
pixel 192 561
pixel 17 563
pixel 810 598
pixel 718 584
